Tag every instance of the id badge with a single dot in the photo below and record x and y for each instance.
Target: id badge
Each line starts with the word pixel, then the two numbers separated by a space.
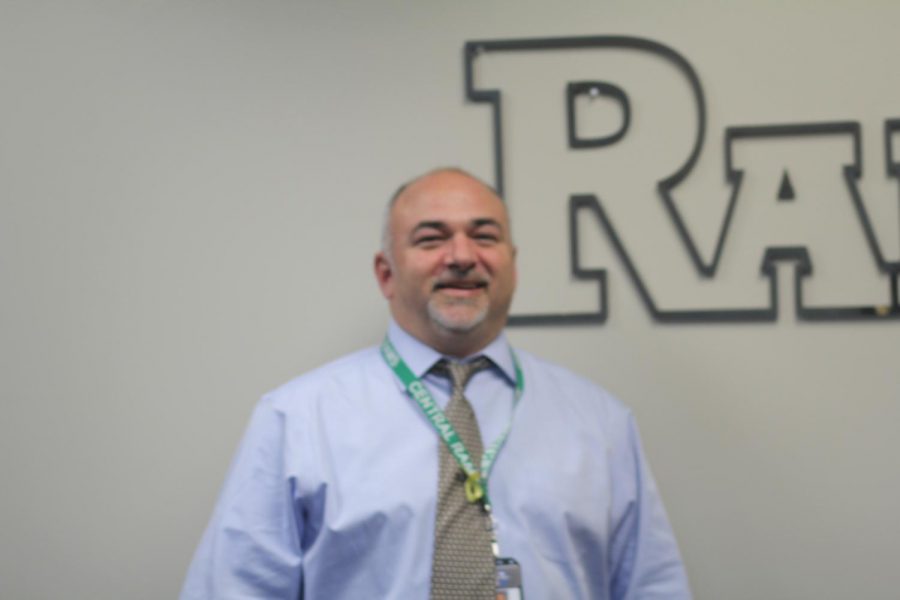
pixel 509 579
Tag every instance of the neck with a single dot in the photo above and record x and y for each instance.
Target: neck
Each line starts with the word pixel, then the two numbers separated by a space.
pixel 458 346
pixel 452 343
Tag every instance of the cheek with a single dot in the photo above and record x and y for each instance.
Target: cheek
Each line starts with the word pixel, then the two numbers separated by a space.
pixel 422 271
pixel 501 266
pixel 413 281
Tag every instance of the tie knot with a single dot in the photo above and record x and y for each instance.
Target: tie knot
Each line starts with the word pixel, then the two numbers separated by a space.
pixel 460 372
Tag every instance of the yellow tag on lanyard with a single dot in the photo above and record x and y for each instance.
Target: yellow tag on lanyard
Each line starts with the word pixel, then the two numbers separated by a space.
pixel 474 491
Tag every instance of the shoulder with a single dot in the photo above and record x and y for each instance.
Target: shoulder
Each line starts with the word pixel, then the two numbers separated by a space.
pixel 546 372
pixel 552 384
pixel 349 376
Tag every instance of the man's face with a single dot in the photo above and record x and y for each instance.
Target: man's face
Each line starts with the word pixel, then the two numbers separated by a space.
pixel 451 274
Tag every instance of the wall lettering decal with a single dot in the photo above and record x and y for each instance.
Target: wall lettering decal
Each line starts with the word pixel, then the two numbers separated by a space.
pixel 589 208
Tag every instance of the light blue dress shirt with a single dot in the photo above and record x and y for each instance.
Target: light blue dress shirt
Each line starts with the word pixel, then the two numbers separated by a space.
pixel 332 493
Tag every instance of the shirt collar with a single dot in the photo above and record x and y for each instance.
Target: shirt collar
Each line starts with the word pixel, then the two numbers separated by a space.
pixel 421 357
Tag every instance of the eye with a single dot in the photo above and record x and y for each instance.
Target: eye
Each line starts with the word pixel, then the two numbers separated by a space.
pixel 486 237
pixel 428 240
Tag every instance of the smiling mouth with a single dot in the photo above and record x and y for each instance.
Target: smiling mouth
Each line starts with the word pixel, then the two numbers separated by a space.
pixel 460 285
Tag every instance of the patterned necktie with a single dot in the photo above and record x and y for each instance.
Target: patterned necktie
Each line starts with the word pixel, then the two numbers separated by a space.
pixel 463 564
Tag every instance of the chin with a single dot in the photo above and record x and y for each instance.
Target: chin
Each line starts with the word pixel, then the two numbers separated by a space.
pixel 454 320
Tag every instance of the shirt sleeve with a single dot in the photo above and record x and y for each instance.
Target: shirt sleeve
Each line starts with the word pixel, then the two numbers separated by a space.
pixel 251 547
pixel 646 564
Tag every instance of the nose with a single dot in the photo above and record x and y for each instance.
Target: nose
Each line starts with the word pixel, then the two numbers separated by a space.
pixel 461 253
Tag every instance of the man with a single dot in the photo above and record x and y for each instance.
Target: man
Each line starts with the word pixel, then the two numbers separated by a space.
pixel 351 481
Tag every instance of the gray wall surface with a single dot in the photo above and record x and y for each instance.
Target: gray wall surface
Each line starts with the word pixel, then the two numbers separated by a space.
pixel 191 194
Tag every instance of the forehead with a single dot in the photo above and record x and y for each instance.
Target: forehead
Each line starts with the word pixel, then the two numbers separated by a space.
pixel 451 198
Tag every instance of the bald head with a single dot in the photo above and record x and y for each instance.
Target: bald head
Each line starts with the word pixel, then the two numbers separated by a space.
pixel 386 219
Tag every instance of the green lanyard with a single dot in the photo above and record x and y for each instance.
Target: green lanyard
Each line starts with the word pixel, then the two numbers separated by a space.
pixel 476 482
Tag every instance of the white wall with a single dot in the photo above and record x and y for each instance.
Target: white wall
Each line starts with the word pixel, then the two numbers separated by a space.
pixel 190 195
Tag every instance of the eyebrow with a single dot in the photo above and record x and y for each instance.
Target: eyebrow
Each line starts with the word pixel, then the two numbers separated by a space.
pixel 442 226
pixel 486 221
pixel 429 225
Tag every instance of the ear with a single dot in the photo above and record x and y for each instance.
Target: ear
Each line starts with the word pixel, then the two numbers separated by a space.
pixel 384 275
